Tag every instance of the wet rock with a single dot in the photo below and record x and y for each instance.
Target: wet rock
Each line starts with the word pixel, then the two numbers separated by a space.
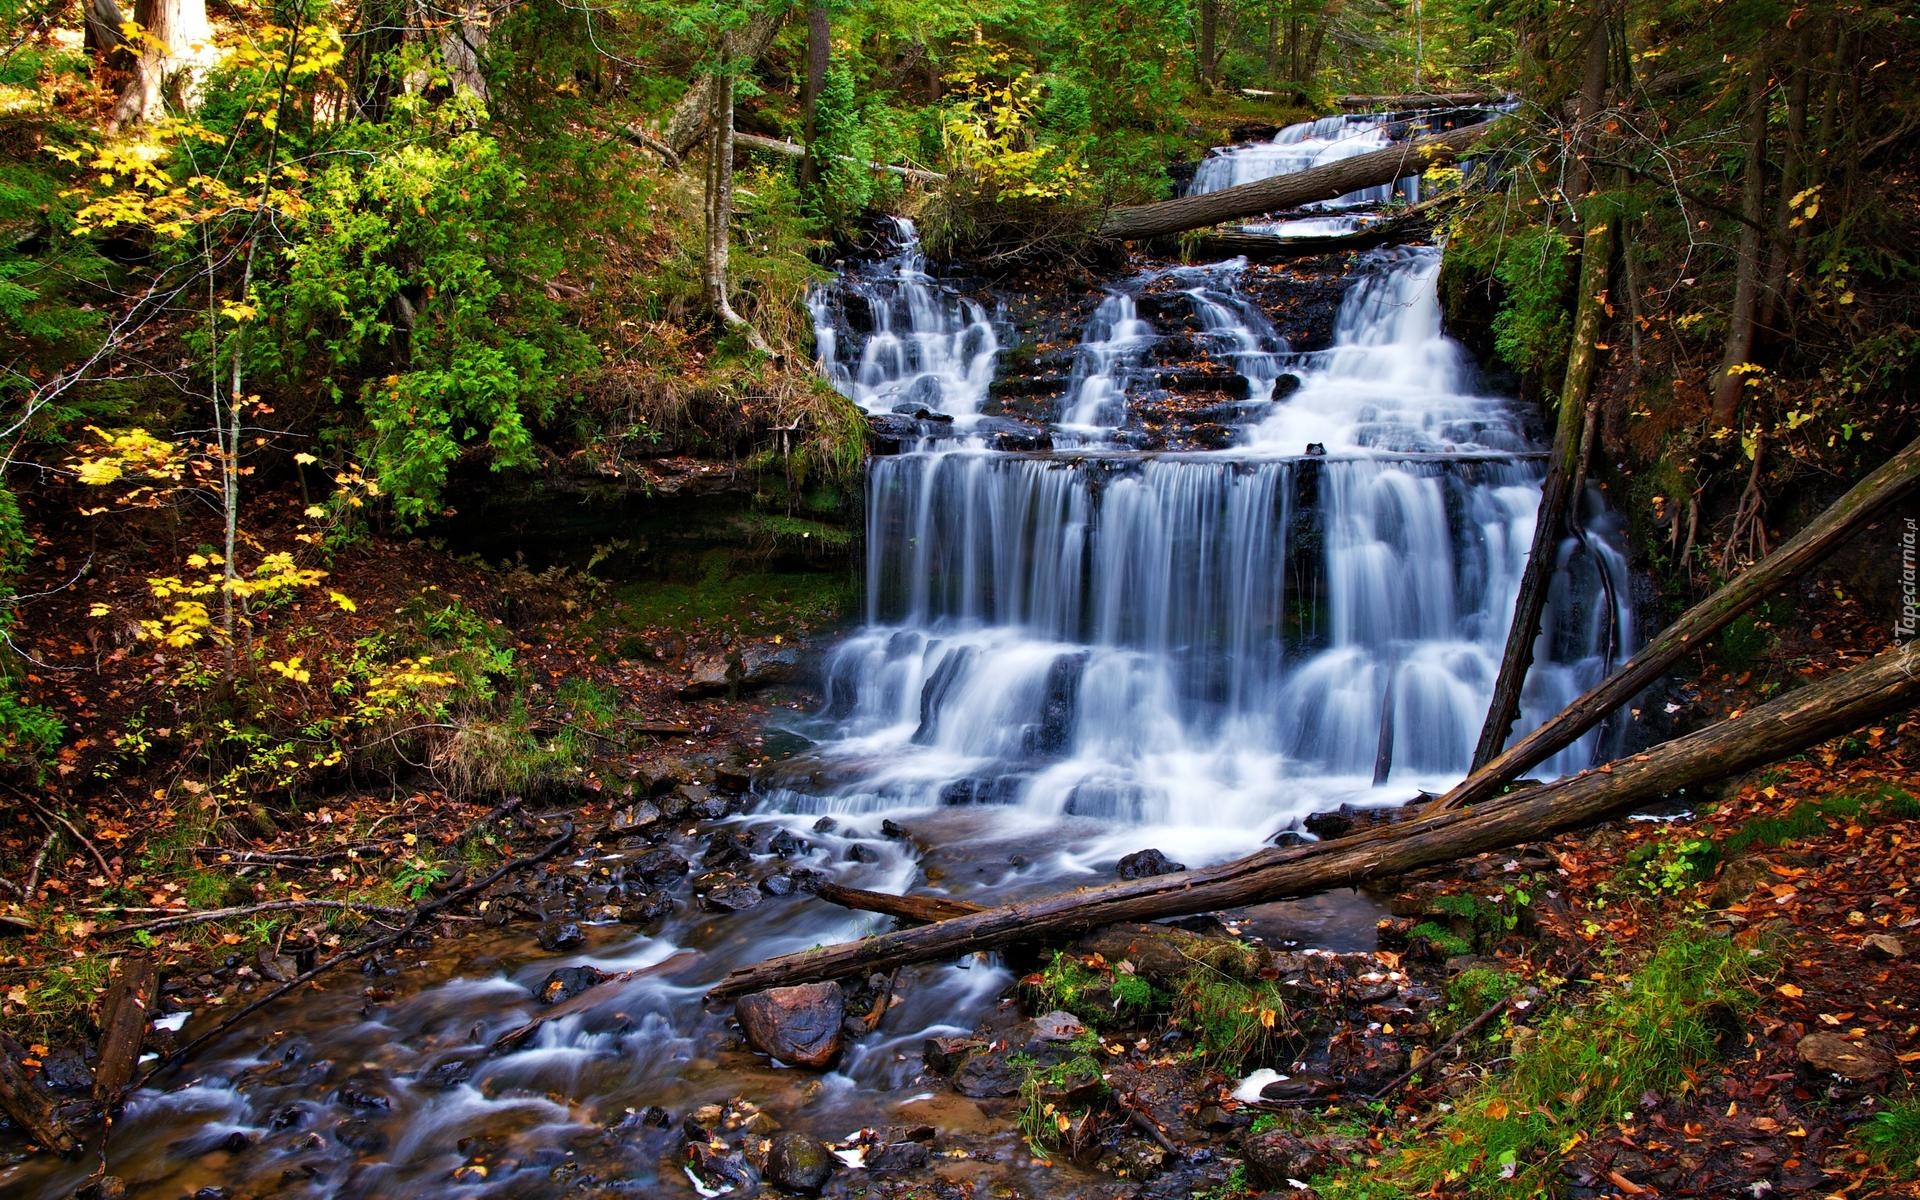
pixel 287 1116
pixel 1016 437
pixel 450 1074
pixel 1144 863
pixel 944 1054
pixel 1215 1119
pixel 657 866
pixel 358 1133
pixel 1288 837
pixel 985 1074
pixel 728 779
pixel 212 1193
pixel 650 907
pixel 1278 1156
pixel 107 1187
pixel 798 1163
pixel 703 1123
pixel 1367 1060
pixel 730 848
pixel 778 884
pixel 785 844
pixel 860 852
pixel 65 1071
pixel 769 666
pixel 655 1117
pixel 892 829
pixel 825 825
pixel 899 1156
pixel 709 675
pixel 568 982
pixel 799 1025
pixel 634 818
pixel 1883 947
pixel 560 935
pixel 721 1168
pixel 363 1092
pixel 1830 1053
pixel 730 894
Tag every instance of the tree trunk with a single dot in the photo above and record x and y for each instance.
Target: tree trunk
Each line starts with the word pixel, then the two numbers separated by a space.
pixel 743 47
pixel 819 48
pixel 1835 705
pixel 1209 33
pixel 1406 100
pixel 176 51
pixel 1878 493
pixel 1596 249
pixel 1730 383
pixel 461 47
pixel 1593 98
pixel 1289 191
pixel 1787 250
pixel 753 141
pixel 720 209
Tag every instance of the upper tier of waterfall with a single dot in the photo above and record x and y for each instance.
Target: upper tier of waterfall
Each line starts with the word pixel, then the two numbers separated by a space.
pixel 1300 147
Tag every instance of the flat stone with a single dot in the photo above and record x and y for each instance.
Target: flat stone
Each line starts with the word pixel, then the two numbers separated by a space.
pixel 561 935
pixel 1830 1053
pixel 1882 946
pixel 732 895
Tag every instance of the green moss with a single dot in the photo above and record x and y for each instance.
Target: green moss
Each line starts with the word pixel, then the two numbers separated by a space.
pixel 758 602
pixel 1102 995
pixel 1235 1025
pixel 1445 942
pixel 1577 1070
pixel 1472 992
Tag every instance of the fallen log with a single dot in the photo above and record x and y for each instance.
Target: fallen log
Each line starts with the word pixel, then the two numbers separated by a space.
pixel 1289 191
pixel 1417 100
pixel 754 141
pixel 1873 496
pixel 1258 247
pixel 921 910
pixel 1556 494
pixel 1832 706
pixel 32 1109
pixel 123 1026
pixel 689 121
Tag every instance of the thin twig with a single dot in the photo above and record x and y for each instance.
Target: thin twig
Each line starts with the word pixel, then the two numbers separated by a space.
pixel 75 831
pixel 420 914
pixel 40 860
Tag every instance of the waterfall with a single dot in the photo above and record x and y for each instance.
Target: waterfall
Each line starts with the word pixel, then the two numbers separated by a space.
pixel 1212 643
pixel 918 347
pixel 1112 342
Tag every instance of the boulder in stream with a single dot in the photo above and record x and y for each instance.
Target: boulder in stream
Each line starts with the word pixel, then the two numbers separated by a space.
pixel 798 1163
pixel 1142 864
pixel 798 1025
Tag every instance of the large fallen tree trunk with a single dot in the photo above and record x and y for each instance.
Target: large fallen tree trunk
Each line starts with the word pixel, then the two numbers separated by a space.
pixel 1290 191
pixel 1870 498
pixel 1835 705
pixel 689 120
pixel 1416 224
pixel 1417 100
pixel 1556 493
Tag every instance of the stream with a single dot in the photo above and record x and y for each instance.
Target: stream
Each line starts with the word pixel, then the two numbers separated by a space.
pixel 1081 638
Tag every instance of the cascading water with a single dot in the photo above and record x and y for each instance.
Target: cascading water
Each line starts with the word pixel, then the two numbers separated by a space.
pixel 1214 645
pixel 1245 334
pixel 1111 344
pixel 922 347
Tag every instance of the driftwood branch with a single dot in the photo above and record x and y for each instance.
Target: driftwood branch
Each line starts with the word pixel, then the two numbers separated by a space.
pixel 1837 704
pixel 123 1026
pixel 31 1108
pixel 1290 191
